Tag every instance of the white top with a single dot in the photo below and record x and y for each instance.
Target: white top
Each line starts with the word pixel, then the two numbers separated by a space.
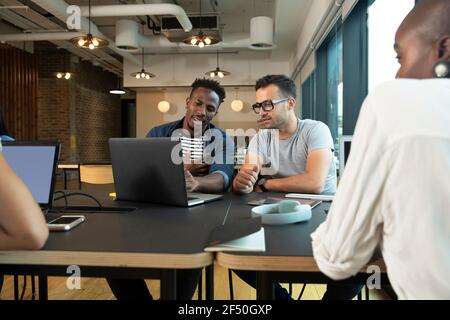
pixel 395 192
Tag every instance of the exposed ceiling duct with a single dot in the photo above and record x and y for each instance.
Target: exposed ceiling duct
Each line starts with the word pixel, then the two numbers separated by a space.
pixel 261 33
pixel 128 37
pixel 42 36
pixel 140 10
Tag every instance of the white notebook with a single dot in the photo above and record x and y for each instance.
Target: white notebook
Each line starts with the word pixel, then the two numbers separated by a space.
pixel 255 242
pixel 310 196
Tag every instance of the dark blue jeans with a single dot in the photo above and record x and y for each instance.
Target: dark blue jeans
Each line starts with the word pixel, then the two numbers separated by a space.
pixel 335 291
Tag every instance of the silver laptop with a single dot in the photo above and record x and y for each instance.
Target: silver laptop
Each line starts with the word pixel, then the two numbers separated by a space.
pixel 144 172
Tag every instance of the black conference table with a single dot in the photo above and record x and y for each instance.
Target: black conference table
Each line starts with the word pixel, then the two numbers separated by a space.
pixel 149 241
pixel 142 240
pixel 288 257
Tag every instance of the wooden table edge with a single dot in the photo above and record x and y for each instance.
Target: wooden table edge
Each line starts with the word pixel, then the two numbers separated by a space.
pixel 108 259
pixel 276 263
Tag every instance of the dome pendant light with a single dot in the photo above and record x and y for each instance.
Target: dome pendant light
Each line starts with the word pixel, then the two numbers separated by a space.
pixel 201 39
pixel 217 72
pixel 119 89
pixel 89 41
pixel 142 74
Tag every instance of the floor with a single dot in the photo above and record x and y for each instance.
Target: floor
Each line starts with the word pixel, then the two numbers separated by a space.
pixel 97 289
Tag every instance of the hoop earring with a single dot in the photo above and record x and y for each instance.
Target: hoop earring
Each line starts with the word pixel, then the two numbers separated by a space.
pixel 442 70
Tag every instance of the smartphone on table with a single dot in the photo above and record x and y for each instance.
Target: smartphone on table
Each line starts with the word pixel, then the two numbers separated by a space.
pixel 65 223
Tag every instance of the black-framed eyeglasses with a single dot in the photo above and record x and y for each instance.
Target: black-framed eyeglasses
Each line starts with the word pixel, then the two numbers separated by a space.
pixel 267 105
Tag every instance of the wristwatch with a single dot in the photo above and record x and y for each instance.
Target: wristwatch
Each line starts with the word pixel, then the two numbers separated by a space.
pixel 261 182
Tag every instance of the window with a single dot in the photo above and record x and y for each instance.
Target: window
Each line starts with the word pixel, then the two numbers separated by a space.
pixel 369 56
pixel 384 18
pixel 335 86
pixel 322 92
pixel 309 97
pixel 329 83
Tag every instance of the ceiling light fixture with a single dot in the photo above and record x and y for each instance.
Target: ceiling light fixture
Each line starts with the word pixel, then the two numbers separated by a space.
pixel 65 73
pixel 237 105
pixel 201 39
pixel 218 72
pixel 143 74
pixel 163 106
pixel 89 41
pixel 119 89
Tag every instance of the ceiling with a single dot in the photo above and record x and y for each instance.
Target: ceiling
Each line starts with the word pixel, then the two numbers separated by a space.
pixel 235 15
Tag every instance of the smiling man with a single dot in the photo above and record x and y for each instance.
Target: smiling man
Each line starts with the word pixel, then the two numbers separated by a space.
pixel 208 155
pixel 206 172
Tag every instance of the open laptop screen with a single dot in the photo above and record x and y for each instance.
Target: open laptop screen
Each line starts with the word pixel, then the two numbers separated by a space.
pixel 35 164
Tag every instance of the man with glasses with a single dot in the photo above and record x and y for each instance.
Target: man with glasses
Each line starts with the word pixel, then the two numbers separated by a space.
pixel 288 155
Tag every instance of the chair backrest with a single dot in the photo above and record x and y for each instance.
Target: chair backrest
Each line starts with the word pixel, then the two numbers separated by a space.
pixel 345 143
pixel 96 173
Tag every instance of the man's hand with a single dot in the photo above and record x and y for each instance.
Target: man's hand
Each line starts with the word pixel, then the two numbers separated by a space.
pixel 191 183
pixel 197 170
pixel 246 179
pixel 257 189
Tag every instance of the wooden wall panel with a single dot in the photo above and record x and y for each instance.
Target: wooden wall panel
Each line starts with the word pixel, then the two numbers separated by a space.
pixel 18 92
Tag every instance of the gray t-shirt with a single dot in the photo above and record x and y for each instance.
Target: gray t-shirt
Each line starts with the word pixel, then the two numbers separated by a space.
pixel 285 158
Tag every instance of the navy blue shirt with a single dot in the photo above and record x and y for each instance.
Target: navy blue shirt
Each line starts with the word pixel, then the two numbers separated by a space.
pixel 223 162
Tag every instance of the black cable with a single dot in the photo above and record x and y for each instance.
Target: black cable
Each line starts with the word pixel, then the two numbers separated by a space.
pixel 24 287
pixel 301 292
pixel 66 195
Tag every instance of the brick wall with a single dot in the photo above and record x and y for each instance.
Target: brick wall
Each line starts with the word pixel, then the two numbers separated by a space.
pixel 80 113
pixel 53 114
pixel 98 118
